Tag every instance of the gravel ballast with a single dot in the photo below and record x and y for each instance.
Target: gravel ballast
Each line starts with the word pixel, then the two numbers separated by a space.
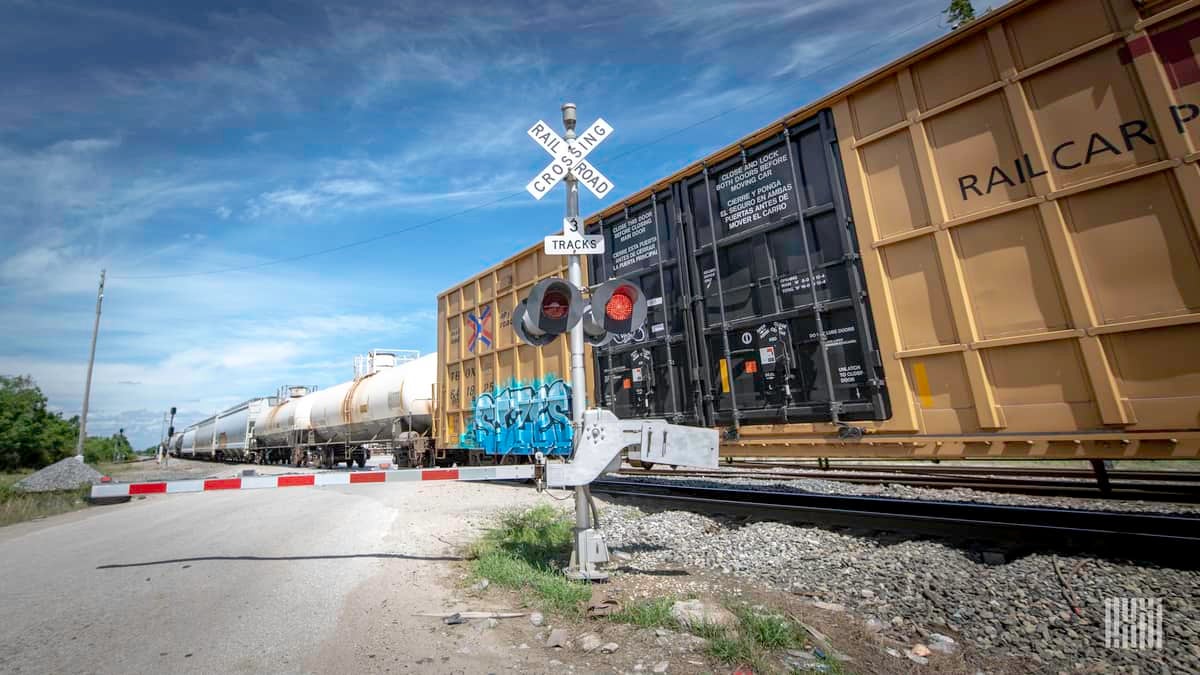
pixel 65 474
pixel 1047 611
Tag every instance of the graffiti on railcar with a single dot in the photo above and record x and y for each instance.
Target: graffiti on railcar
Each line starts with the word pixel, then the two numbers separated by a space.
pixel 521 419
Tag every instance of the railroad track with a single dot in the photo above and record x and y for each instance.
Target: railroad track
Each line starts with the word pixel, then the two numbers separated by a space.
pixel 1163 537
pixel 960 470
pixel 1139 485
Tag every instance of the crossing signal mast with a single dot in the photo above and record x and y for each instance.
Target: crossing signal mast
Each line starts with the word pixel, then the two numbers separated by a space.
pixel 557 306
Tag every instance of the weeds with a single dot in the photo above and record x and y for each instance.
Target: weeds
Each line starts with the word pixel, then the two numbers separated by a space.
pixel 525 552
pixel 650 613
pixel 17 506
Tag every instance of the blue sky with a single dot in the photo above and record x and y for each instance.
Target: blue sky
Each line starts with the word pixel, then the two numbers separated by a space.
pixel 169 143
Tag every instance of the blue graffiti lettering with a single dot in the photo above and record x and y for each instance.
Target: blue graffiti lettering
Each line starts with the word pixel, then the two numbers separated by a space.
pixel 521 419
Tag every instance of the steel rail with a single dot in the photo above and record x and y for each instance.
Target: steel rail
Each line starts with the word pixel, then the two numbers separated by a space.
pixel 1183 492
pixel 938 470
pixel 1145 536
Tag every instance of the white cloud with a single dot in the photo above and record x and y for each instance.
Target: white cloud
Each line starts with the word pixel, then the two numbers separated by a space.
pixel 223 212
pixel 350 187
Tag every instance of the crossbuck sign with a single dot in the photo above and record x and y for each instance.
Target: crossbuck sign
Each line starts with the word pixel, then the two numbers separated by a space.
pixel 569 158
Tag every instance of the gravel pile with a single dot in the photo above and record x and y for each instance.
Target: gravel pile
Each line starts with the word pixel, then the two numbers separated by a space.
pixel 910 587
pixel 66 474
pixel 830 487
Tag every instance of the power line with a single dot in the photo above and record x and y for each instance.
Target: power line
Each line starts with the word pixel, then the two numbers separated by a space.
pixel 462 212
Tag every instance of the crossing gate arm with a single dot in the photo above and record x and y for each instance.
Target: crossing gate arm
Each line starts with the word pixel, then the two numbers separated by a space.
pixel 473 473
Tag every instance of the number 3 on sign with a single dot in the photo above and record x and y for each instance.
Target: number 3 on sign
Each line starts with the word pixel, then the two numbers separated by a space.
pixel 571 226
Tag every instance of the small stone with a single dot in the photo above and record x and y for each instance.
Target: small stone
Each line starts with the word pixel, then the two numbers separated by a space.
pixel 621 555
pixel 639 668
pixel 536 618
pixel 897 621
pixel 874 625
pixel 691 613
pixel 480 585
pixel 558 638
pixel 661 666
pixel 943 644
pixel 920 650
pixel 916 658
pixel 492 623
pixel 829 606
pixel 893 652
pixel 589 642
pixel 523 646
pixel 609 647
pixel 867 593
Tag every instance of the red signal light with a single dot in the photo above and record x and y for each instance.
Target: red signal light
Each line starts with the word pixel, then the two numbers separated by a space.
pixel 619 306
pixel 555 305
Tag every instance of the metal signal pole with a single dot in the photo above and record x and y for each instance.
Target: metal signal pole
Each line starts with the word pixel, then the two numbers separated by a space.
pixel 583 566
pixel 87 389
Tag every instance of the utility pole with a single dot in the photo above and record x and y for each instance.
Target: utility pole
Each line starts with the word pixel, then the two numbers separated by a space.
pixel 87 389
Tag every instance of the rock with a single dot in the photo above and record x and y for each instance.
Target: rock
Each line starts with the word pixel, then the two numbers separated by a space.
pixel 589 642
pixel 492 623
pixel 523 646
pixel 536 618
pixel 867 593
pixel 609 647
pixel 661 666
pixel 65 474
pixel 691 613
pixel 942 644
pixel 480 585
pixel 639 668
pixel 829 606
pixel 897 621
pixel 893 652
pixel 920 650
pixel 874 625
pixel 621 555
pixel 916 658
pixel 558 638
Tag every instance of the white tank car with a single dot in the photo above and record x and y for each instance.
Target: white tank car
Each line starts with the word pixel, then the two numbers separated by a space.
pixel 224 436
pixel 278 428
pixel 188 443
pixel 385 404
pixel 366 408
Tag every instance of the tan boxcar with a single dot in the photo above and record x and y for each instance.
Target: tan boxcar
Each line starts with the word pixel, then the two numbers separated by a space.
pixel 478 353
pixel 1026 198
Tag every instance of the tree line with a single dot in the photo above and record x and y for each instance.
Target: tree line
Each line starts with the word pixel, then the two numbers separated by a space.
pixel 32 436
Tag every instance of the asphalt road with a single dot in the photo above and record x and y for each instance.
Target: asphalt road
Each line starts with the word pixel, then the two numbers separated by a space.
pixel 286 580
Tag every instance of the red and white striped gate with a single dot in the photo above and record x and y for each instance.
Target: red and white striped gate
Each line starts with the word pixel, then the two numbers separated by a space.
pixel 473 473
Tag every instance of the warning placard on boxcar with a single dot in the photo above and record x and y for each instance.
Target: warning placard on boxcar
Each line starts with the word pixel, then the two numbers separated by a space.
pixel 634 242
pixel 757 192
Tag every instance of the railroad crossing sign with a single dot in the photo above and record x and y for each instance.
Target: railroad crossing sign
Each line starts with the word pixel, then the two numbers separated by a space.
pixel 569 158
pixel 573 240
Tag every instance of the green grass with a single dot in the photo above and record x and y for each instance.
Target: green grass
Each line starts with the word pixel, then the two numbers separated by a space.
pixel 648 613
pixel 17 506
pixel 526 551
